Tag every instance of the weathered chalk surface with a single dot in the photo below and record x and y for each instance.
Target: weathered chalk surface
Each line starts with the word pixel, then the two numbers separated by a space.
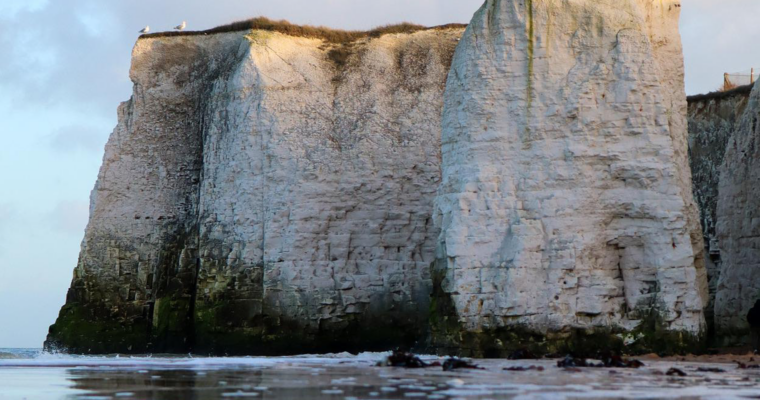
pixel 738 226
pixel 566 202
pixel 263 194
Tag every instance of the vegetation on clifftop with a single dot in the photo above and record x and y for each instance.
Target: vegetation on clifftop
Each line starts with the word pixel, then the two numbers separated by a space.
pixel 744 90
pixel 316 32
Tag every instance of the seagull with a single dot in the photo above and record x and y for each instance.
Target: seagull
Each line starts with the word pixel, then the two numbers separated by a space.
pixel 145 30
pixel 181 27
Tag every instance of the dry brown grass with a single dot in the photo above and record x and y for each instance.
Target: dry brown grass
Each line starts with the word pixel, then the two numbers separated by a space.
pixel 317 32
pixel 721 94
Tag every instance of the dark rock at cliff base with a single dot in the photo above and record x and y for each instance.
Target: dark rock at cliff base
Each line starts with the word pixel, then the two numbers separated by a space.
pixel 524 369
pixel 675 372
pixel 405 359
pixel 457 363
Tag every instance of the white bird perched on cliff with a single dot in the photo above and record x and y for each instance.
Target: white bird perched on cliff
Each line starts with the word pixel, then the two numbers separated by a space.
pixel 181 27
pixel 145 30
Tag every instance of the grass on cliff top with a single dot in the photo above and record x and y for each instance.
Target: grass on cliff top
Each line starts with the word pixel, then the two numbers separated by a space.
pixel 721 94
pixel 317 32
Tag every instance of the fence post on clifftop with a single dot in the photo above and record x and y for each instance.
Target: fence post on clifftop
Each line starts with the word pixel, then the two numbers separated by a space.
pixel 752 76
pixel 725 81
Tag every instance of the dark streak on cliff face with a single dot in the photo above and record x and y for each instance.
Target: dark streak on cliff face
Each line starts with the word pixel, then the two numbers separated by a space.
pixel 133 287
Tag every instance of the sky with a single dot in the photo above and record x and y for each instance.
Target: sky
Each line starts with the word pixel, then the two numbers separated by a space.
pixel 64 70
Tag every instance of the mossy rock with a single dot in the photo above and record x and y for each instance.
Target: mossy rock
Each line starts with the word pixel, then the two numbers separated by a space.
pixel 172 325
pixel 220 329
pixel 502 342
pixel 653 337
pixel 80 330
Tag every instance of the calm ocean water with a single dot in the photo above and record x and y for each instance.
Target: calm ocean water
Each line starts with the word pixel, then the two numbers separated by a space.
pixel 32 374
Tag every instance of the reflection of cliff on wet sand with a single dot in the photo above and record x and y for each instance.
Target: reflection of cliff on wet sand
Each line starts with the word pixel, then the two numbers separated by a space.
pixel 42 376
pixel 167 384
pixel 293 381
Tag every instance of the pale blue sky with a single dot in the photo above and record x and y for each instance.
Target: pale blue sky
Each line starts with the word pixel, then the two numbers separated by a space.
pixel 64 71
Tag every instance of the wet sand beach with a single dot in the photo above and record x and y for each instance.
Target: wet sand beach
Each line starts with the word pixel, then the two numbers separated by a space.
pixel 34 375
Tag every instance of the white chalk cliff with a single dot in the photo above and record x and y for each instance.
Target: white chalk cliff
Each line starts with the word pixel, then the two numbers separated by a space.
pixel 566 196
pixel 265 193
pixel 271 194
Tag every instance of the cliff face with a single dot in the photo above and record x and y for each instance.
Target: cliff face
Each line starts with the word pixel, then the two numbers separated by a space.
pixel 712 121
pixel 566 204
pixel 264 193
pixel 738 225
pixel 271 194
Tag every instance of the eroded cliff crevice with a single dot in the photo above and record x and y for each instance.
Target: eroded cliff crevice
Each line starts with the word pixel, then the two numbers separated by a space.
pixel 713 119
pixel 738 227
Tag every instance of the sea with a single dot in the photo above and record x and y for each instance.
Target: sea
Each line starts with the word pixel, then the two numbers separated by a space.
pixel 36 375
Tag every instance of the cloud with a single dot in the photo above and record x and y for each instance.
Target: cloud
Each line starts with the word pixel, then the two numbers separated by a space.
pixel 70 217
pixel 78 138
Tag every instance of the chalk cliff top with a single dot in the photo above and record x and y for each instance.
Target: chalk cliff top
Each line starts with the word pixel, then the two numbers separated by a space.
pixel 316 32
pixel 156 54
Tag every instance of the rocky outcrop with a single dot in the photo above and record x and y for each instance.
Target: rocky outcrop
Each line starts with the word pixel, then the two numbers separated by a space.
pixel 713 118
pixel 738 226
pixel 565 207
pixel 265 193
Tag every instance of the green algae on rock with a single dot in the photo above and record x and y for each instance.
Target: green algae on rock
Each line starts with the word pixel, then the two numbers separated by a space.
pixel 81 330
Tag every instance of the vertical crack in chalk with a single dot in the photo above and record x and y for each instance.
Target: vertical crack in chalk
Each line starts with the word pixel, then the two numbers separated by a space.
pixel 531 50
